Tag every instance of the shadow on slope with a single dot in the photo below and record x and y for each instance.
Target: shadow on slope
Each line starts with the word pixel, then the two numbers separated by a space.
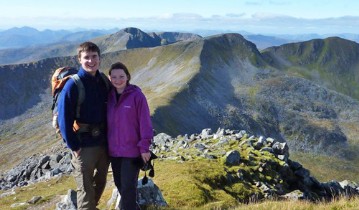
pixel 212 98
pixel 21 85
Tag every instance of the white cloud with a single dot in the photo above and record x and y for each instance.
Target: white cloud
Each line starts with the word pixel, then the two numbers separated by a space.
pixel 232 15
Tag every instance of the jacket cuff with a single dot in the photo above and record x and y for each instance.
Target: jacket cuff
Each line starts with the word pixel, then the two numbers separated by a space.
pixel 142 150
pixel 74 147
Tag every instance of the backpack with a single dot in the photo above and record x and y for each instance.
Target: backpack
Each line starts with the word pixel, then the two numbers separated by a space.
pixel 58 81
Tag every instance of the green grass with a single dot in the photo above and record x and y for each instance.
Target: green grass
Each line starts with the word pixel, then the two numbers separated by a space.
pixel 48 190
pixel 326 168
pixel 187 185
pixel 339 204
pixel 192 184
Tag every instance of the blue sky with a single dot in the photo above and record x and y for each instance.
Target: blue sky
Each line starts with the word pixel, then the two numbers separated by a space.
pixel 254 16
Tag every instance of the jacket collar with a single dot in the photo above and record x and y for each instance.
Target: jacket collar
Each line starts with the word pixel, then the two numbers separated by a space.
pixel 85 74
pixel 128 89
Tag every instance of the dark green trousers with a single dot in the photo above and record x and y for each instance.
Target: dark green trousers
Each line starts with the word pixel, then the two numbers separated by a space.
pixel 90 172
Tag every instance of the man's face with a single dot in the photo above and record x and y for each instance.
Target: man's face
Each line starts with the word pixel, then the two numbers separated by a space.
pixel 90 61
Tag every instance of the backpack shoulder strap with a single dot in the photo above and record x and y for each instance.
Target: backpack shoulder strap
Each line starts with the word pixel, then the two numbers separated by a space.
pixel 106 80
pixel 81 90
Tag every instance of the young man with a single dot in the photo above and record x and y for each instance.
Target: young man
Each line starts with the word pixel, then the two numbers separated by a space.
pixel 86 134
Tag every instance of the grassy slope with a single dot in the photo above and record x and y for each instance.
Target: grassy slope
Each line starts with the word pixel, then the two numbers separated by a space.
pixel 160 72
pixel 25 137
pixel 326 168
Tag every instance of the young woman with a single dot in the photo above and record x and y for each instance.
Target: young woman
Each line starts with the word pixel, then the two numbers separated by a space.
pixel 129 133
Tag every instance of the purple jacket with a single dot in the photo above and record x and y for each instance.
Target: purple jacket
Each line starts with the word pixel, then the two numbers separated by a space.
pixel 129 123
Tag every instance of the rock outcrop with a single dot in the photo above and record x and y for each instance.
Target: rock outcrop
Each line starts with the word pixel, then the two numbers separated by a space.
pixel 265 157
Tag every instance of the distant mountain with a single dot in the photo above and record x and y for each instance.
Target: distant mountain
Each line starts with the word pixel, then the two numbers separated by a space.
pixel 82 36
pixel 263 42
pixel 204 32
pixel 306 37
pixel 28 31
pixel 353 37
pixel 27 36
pixel 35 53
pixel 332 62
pixel 127 38
pixel 172 37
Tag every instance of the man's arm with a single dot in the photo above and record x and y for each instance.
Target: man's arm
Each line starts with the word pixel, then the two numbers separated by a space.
pixel 67 112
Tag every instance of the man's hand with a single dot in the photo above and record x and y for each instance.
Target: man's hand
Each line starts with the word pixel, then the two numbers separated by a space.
pixel 77 153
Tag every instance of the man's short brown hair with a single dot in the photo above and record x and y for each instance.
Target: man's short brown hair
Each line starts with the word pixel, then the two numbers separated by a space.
pixel 87 47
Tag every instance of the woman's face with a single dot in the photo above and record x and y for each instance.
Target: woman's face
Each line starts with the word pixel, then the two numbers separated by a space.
pixel 118 79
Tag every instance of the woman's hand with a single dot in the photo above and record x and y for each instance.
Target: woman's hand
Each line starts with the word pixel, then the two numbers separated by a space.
pixel 146 156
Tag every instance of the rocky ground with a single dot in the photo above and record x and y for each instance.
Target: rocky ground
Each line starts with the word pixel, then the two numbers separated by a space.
pixel 261 164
